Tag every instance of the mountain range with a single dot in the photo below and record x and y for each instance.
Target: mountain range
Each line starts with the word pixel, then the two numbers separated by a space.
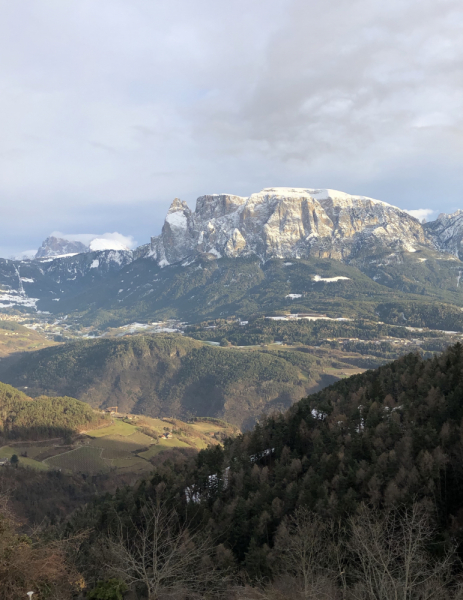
pixel 279 249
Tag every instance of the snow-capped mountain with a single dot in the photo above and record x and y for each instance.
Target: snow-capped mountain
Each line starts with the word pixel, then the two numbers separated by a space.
pixel 284 223
pixel 351 243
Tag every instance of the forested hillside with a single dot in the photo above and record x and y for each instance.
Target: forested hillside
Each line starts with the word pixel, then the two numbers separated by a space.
pixel 170 375
pixel 206 287
pixel 389 438
pixel 22 417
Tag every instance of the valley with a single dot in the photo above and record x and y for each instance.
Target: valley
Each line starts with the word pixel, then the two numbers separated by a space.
pixel 166 383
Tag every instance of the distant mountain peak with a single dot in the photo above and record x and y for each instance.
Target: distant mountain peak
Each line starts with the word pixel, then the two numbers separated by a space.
pixel 54 246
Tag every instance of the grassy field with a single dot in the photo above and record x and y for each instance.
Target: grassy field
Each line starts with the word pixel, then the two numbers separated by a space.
pixel 117 428
pixel 17 338
pixel 81 460
pixel 118 446
pixel 8 451
pixel 162 446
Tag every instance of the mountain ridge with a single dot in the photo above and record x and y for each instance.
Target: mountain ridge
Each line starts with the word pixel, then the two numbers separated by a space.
pixel 220 260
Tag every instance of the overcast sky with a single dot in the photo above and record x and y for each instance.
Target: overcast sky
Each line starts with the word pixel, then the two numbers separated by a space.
pixel 111 108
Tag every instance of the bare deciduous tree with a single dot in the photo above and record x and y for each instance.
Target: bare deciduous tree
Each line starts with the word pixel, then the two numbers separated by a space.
pixel 391 559
pixel 302 549
pixel 162 555
pixel 29 563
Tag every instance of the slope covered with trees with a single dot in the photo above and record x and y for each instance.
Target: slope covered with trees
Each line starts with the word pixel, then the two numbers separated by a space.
pixel 206 287
pixel 24 418
pixel 170 375
pixel 389 440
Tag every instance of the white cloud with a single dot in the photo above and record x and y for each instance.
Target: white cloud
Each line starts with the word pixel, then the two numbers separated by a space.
pixel 421 213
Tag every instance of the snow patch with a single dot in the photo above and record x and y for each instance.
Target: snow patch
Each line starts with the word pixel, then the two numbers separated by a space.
pixel 95 264
pixel 330 279
pixel 177 219
pixel 13 298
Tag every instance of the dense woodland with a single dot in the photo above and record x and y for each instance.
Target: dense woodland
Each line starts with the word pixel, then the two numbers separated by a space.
pixel 24 418
pixel 171 375
pixel 216 288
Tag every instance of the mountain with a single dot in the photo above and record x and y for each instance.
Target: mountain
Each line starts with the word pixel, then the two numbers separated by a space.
pixel 54 246
pixel 173 375
pixel 285 223
pixel 58 247
pixel 447 233
pixel 281 249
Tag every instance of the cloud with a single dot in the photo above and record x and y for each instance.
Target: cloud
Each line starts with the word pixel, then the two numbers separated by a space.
pixel 421 213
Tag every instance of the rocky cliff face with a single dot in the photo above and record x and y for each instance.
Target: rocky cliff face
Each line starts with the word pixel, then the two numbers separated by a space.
pixel 446 232
pixel 284 223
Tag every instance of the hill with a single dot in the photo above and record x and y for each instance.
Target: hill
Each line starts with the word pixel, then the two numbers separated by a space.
pixel 25 418
pixel 421 283
pixel 168 374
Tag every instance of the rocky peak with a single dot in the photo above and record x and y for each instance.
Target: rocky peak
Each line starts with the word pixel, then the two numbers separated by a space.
pixel 54 246
pixel 285 223
pixel 217 206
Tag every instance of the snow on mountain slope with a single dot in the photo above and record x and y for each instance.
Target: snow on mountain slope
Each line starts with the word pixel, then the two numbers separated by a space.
pixel 447 233
pixel 284 223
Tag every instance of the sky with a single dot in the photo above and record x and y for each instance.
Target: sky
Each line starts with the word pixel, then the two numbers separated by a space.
pixel 110 109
